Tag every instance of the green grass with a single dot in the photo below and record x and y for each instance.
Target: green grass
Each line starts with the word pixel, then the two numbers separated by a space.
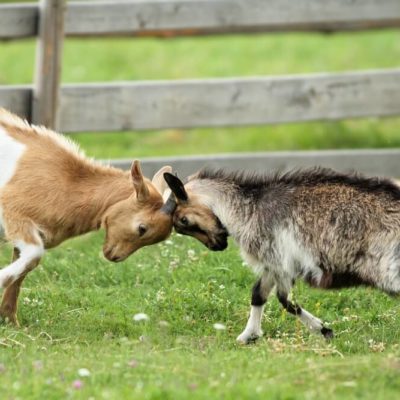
pixel 77 312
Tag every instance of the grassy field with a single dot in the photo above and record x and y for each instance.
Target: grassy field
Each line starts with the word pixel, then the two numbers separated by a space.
pixel 77 310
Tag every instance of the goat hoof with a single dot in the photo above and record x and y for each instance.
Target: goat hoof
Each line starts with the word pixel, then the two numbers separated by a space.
pixel 327 333
pixel 247 338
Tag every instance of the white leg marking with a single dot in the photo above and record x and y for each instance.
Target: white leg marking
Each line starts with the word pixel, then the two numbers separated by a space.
pixel 28 253
pixel 262 289
pixel 314 324
pixel 253 326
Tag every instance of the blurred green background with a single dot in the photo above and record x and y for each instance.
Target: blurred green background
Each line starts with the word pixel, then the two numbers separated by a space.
pixel 116 59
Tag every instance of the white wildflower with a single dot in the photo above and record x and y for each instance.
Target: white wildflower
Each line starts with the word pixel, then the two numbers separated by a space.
pixel 83 372
pixel 192 255
pixel 160 296
pixel 349 384
pixel 141 317
pixel 173 264
pixel 219 327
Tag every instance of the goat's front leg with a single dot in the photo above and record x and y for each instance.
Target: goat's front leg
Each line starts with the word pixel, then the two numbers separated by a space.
pixel 314 324
pixel 261 290
pixel 30 255
pixel 8 307
pixel 9 304
pixel 27 255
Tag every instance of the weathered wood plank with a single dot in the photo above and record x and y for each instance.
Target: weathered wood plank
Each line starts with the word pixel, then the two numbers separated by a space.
pixel 18 20
pixel 188 17
pixel 372 162
pixel 194 17
pixel 17 99
pixel 48 63
pixel 229 102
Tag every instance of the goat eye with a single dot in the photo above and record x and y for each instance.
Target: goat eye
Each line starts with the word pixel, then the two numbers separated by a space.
pixel 184 221
pixel 142 229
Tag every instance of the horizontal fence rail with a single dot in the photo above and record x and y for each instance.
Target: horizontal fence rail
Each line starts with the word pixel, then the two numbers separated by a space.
pixel 373 162
pixel 196 17
pixel 219 102
pixel 18 99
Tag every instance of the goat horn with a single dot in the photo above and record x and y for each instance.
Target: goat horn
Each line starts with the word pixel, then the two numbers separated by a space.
pixel 169 206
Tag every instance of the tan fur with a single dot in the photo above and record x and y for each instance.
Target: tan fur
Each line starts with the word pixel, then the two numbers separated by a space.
pixel 57 193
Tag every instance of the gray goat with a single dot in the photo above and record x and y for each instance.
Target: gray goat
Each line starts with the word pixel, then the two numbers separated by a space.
pixel 331 229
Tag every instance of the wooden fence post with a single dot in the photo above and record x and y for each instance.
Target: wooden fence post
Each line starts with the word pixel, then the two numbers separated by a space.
pixel 48 63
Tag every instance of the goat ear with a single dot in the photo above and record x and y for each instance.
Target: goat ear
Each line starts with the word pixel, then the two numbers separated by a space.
pixel 158 179
pixel 176 186
pixel 142 191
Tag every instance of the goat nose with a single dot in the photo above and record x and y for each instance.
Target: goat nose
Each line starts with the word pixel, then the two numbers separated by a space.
pixel 108 254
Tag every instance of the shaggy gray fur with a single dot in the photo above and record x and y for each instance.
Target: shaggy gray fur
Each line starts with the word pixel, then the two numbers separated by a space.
pixel 332 230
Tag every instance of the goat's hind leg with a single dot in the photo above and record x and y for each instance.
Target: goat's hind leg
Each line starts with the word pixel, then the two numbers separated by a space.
pixel 314 324
pixel 261 290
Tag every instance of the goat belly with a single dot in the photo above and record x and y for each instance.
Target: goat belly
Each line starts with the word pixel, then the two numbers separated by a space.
pixel 336 280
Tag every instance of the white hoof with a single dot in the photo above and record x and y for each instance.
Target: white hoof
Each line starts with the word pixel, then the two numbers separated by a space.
pixel 247 337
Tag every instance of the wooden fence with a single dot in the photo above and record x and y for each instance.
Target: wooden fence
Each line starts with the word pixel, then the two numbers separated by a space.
pixel 206 102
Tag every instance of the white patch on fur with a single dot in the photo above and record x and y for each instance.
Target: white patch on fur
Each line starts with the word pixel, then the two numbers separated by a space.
pixel 253 327
pixel 250 260
pixel 28 253
pixel 10 153
pixel 314 324
pixel 209 197
pixel 294 260
pixel 224 215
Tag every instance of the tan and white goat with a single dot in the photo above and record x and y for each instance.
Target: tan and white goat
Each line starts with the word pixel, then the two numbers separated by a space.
pixel 49 192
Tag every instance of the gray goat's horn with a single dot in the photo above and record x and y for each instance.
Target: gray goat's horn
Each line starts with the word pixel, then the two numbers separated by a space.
pixel 170 205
